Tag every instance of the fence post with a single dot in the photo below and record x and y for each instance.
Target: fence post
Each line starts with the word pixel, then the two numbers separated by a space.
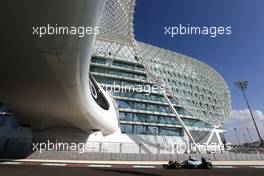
pixel 120 147
pixel 100 147
pixel 140 145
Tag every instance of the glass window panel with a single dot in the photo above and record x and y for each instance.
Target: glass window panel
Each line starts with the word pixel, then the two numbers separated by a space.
pixel 152 118
pixel 140 118
pixel 140 129
pixel 128 129
pixel 152 130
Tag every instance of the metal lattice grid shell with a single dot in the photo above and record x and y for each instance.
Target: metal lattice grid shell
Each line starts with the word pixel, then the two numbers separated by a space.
pixel 198 87
pixel 117 21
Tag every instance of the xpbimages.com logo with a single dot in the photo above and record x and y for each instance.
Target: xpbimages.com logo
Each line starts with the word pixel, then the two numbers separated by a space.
pixel 59 146
pixel 80 31
pixel 139 88
pixel 211 31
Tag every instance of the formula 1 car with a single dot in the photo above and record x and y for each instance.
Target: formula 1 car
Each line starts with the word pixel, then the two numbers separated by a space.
pixel 191 163
pixel 172 165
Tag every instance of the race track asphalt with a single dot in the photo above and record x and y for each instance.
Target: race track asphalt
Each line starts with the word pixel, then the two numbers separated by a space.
pixel 26 170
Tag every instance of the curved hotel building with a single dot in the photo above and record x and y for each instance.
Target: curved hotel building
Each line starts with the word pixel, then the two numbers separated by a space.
pixel 109 88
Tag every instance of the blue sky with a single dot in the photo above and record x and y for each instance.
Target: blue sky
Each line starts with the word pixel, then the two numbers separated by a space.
pixel 239 56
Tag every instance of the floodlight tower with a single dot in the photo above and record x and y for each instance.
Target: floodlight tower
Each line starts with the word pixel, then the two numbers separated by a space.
pixel 242 85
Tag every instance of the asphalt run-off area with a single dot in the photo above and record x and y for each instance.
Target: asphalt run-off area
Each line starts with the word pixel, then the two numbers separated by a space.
pixel 56 169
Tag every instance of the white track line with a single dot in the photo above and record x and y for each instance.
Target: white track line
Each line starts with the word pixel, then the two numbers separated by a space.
pixel 52 164
pixel 262 167
pixel 143 166
pixel 99 165
pixel 223 166
pixel 11 163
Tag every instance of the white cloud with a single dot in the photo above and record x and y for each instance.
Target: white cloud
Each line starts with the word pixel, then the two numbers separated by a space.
pixel 241 119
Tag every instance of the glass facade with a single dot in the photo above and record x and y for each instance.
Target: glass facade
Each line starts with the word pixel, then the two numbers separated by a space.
pixel 198 87
pixel 140 113
pixel 150 130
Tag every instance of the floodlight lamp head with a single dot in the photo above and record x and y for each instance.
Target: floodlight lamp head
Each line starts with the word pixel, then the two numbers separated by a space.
pixel 242 85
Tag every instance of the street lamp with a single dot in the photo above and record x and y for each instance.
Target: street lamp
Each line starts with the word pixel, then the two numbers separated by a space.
pixel 245 139
pixel 243 86
pixel 235 129
pixel 249 135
